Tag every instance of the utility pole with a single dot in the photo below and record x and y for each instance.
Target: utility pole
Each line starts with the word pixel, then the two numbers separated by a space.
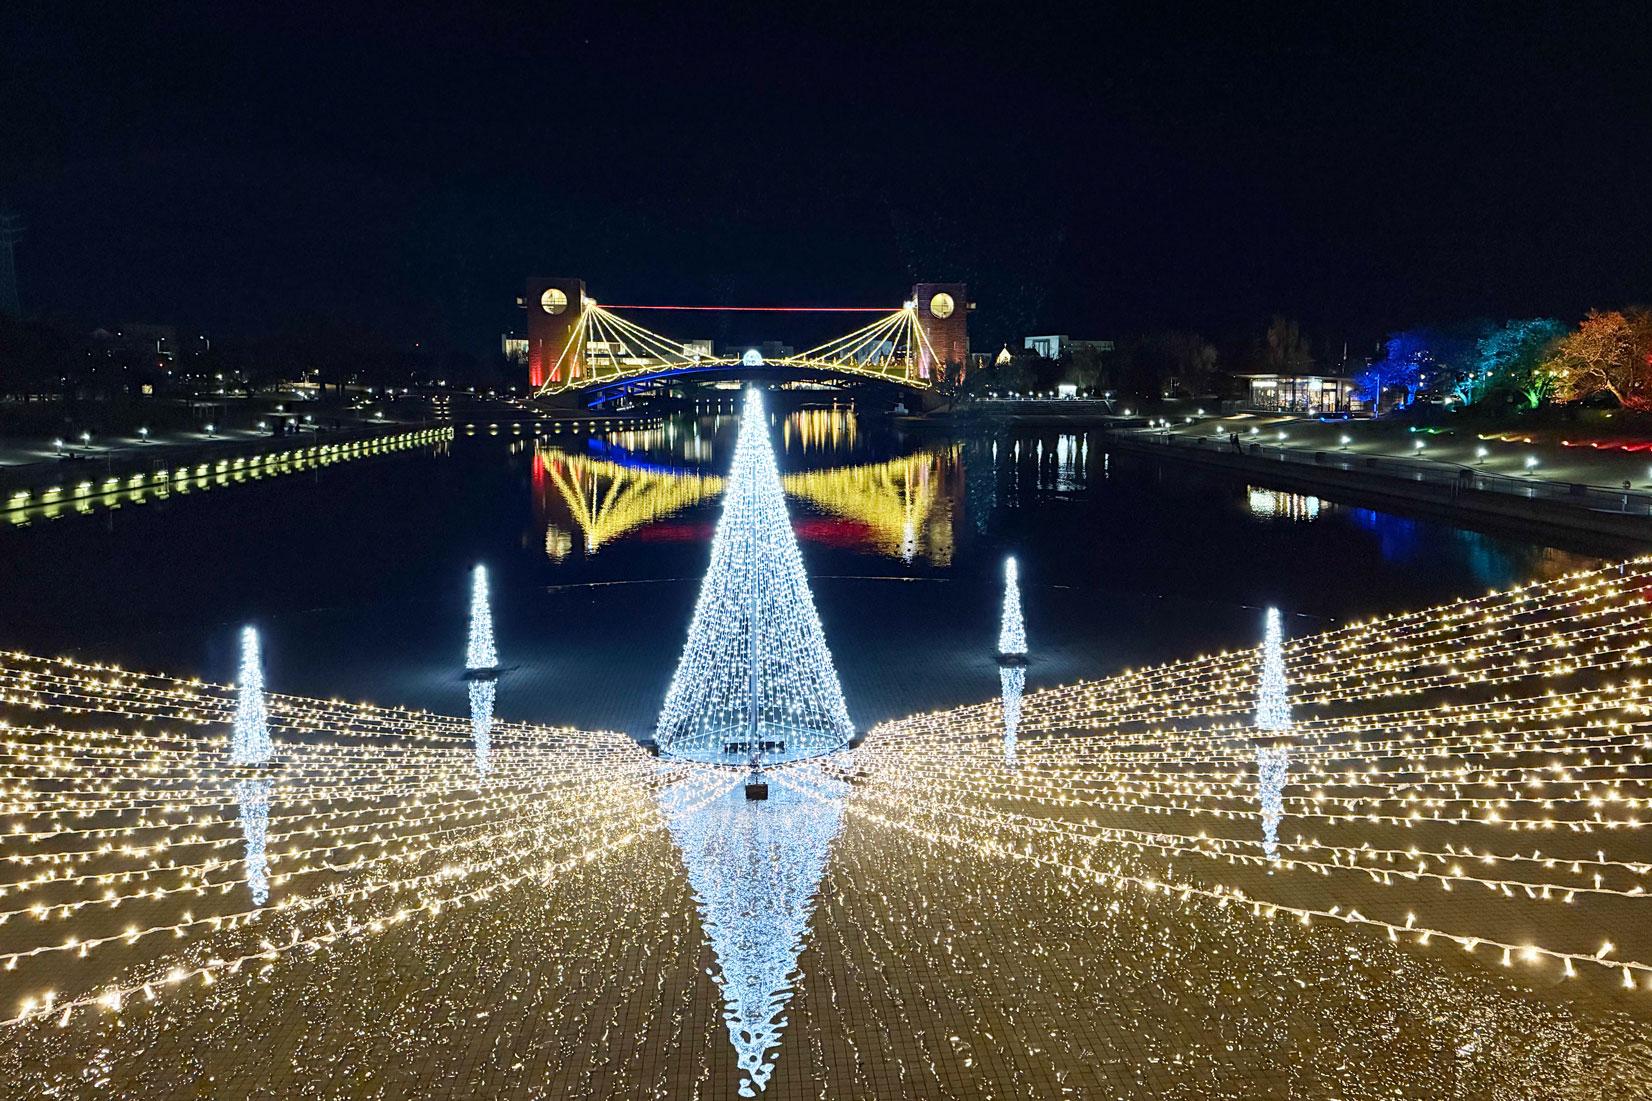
pixel 11 231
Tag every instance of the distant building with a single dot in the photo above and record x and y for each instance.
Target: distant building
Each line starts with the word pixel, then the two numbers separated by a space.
pixel 699 349
pixel 1301 394
pixel 158 341
pixel 515 348
pixel 774 349
pixel 1055 345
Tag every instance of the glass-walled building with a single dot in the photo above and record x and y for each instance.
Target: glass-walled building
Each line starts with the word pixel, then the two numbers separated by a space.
pixel 1302 394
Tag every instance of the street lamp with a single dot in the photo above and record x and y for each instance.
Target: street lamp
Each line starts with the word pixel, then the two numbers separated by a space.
pixel 1531 463
pixel 58 443
pixel 86 439
pixel 212 432
pixel 1346 440
pixel 1418 446
pixel 1480 454
pixel 143 435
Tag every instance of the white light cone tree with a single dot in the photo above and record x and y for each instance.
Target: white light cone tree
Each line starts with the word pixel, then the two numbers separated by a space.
pixel 480 654
pixel 1273 704
pixel 250 742
pixel 756 868
pixel 1012 626
pixel 755 683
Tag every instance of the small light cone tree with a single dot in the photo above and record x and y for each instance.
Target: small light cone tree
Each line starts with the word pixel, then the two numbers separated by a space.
pixel 480 654
pixel 1012 627
pixel 250 742
pixel 1273 705
pixel 755 681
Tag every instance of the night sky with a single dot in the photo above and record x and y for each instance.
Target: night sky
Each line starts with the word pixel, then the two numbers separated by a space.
pixel 1361 167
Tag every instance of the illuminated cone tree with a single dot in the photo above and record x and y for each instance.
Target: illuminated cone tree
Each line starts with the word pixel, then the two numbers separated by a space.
pixel 756 681
pixel 480 655
pixel 250 742
pixel 1012 627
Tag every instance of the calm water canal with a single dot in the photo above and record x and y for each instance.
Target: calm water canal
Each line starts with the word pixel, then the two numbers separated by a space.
pixel 357 573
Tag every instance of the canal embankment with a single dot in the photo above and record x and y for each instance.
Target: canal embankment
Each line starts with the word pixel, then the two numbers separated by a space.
pixel 1622 515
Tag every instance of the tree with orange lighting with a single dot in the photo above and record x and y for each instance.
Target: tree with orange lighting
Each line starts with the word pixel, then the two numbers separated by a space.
pixel 1610 353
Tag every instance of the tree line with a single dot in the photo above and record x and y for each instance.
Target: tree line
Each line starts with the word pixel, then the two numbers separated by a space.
pixel 1520 364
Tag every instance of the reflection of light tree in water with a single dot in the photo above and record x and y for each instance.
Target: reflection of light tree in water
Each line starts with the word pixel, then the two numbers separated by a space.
pixel 253 797
pixel 755 868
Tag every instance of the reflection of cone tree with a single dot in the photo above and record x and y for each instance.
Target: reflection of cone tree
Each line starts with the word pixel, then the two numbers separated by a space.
pixel 756 673
pixel 253 798
pixel 755 869
pixel 1012 682
pixel 482 693
pixel 1273 705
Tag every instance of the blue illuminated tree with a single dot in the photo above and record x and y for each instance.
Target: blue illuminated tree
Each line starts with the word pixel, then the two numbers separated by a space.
pixel 1511 359
pixel 1406 359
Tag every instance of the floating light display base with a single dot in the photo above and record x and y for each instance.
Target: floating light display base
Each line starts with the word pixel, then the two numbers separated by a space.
pixel 490 673
pixel 1011 660
pixel 757 788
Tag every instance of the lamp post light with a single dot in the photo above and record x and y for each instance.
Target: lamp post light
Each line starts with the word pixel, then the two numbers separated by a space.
pixel 86 439
pixel 143 435
pixel 1346 440
pixel 58 443
pixel 212 432
pixel 1417 445
pixel 1480 454
pixel 1531 464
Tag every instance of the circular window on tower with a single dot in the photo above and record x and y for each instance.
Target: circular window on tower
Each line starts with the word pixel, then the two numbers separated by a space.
pixel 554 301
pixel 942 305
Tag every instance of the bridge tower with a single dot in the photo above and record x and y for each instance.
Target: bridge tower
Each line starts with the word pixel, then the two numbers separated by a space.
pixel 554 305
pixel 943 317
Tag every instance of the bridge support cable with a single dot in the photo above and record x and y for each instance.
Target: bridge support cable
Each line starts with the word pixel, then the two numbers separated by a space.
pixel 604 349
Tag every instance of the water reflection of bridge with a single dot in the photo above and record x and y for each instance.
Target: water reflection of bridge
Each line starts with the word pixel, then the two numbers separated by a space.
pixel 901 507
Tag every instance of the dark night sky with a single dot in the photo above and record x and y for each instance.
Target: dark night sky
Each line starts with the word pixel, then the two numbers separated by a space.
pixel 1359 166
